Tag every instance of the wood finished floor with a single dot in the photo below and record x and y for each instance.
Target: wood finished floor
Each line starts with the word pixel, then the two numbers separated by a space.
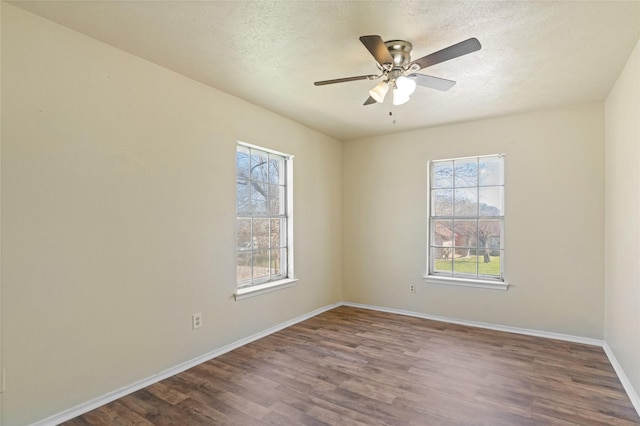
pixel 352 366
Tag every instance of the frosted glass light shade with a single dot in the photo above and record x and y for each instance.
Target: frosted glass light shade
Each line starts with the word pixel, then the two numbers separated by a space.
pixel 406 85
pixel 380 91
pixel 399 97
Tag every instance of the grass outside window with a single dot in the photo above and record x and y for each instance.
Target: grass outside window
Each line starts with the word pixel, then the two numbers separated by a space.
pixel 467 265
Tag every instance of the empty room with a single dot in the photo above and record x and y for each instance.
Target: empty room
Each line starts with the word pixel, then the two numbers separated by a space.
pixel 320 213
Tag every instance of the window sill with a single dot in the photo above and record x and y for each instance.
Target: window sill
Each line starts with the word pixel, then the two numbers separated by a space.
pixel 465 282
pixel 256 290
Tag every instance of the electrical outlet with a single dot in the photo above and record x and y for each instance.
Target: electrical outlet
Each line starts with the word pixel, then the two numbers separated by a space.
pixel 196 320
pixel 412 288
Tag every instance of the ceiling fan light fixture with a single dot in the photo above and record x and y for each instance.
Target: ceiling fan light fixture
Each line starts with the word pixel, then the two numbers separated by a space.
pixel 406 85
pixel 399 97
pixel 379 91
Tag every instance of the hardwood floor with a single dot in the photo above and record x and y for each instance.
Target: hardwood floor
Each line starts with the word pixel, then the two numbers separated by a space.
pixel 352 366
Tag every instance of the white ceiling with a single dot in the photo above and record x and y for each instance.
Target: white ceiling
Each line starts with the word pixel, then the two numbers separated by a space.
pixel 535 54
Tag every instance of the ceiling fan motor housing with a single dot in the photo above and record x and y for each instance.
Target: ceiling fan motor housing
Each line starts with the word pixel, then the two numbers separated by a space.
pixel 400 51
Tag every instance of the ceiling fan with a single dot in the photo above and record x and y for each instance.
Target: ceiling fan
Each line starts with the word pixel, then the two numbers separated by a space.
pixel 398 71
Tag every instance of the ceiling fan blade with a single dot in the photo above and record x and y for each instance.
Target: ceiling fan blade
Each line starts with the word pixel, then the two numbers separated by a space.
pixel 344 80
pixel 459 49
pixel 370 101
pixel 378 50
pixel 432 82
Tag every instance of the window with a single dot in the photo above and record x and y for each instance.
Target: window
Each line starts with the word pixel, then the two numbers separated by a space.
pixel 263 249
pixel 466 221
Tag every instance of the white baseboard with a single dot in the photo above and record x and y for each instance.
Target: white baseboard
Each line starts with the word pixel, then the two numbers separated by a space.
pixel 78 410
pixel 126 390
pixel 526 331
pixel 626 384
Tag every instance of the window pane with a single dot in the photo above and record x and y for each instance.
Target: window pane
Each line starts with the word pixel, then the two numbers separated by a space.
pixel 260 264
pixel 275 262
pixel 260 233
pixel 442 233
pixel 283 261
pixel 466 232
pixel 489 263
pixel 243 269
pixel 466 202
pixel 466 172
pixel 490 171
pixel 242 162
pixel 442 202
pixel 443 174
pixel 259 198
pixel 442 260
pixel 243 234
pixel 490 234
pixel 259 168
pixel 276 169
pixel 276 200
pixel 243 197
pixel 278 233
pixel 490 199
pixel 465 265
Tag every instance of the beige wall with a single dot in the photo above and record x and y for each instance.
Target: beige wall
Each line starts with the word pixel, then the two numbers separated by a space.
pixel 554 215
pixel 118 204
pixel 622 295
pixel 117 180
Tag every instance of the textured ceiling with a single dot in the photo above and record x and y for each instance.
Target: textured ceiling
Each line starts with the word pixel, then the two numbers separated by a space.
pixel 535 54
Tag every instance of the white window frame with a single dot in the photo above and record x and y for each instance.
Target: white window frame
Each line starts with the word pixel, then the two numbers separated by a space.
pixel 252 288
pixel 433 277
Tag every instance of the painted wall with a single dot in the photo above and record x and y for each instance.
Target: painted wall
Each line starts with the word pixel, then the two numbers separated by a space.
pixel 118 218
pixel 118 203
pixel 554 172
pixel 622 295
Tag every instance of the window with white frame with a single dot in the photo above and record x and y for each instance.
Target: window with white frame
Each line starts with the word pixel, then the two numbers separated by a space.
pixel 466 219
pixel 263 216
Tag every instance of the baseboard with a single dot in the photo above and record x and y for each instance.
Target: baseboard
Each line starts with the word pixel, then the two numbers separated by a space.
pixel 508 329
pixel 626 384
pixel 126 390
pixel 111 396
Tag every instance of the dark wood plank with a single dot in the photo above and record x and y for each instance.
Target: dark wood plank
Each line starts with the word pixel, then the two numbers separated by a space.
pixel 352 366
